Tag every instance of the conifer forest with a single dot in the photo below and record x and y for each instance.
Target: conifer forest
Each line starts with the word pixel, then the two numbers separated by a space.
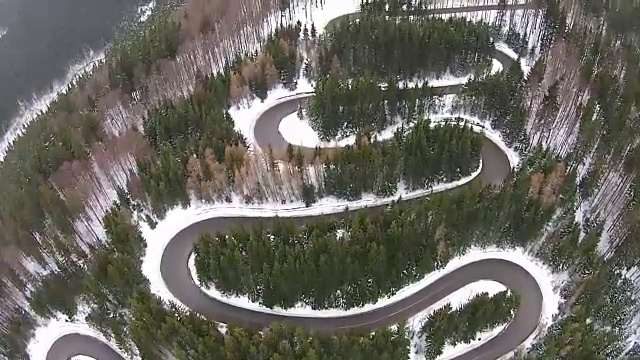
pixel 164 187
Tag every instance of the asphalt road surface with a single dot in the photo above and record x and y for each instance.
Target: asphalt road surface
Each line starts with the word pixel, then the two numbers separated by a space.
pixel 177 276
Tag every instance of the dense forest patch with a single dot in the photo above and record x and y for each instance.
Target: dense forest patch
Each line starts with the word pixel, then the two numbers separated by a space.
pixel 355 61
pixel 415 158
pixel 449 326
pixel 498 98
pixel 405 47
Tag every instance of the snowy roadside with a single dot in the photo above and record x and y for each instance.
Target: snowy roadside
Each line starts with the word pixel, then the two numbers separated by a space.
pixel 52 329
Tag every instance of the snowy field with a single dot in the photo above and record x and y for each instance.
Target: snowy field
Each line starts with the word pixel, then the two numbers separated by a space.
pixel 244 118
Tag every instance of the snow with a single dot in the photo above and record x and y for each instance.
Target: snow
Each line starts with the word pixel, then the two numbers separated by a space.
pixel 144 11
pixel 320 17
pixel 298 131
pixel 51 330
pixel 3 32
pixel 496 66
pixel 524 63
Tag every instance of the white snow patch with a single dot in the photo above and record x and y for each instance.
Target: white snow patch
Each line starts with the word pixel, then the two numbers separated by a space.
pixel 496 66
pixel 51 330
pixel 524 63
pixel 3 32
pixel 320 17
pixel 299 132
pixel 445 80
pixel 144 11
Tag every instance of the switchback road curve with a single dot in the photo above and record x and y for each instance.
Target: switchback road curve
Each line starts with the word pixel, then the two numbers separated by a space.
pixel 178 279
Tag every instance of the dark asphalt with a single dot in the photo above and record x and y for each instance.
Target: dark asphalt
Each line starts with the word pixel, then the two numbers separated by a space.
pixel 71 345
pixel 177 276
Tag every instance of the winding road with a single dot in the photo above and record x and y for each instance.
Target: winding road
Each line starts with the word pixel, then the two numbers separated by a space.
pixel 178 279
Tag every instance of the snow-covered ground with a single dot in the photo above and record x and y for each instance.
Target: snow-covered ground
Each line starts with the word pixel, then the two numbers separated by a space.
pixel 245 119
pixel 3 32
pixel 51 330
pixel 525 64
pixel 144 11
